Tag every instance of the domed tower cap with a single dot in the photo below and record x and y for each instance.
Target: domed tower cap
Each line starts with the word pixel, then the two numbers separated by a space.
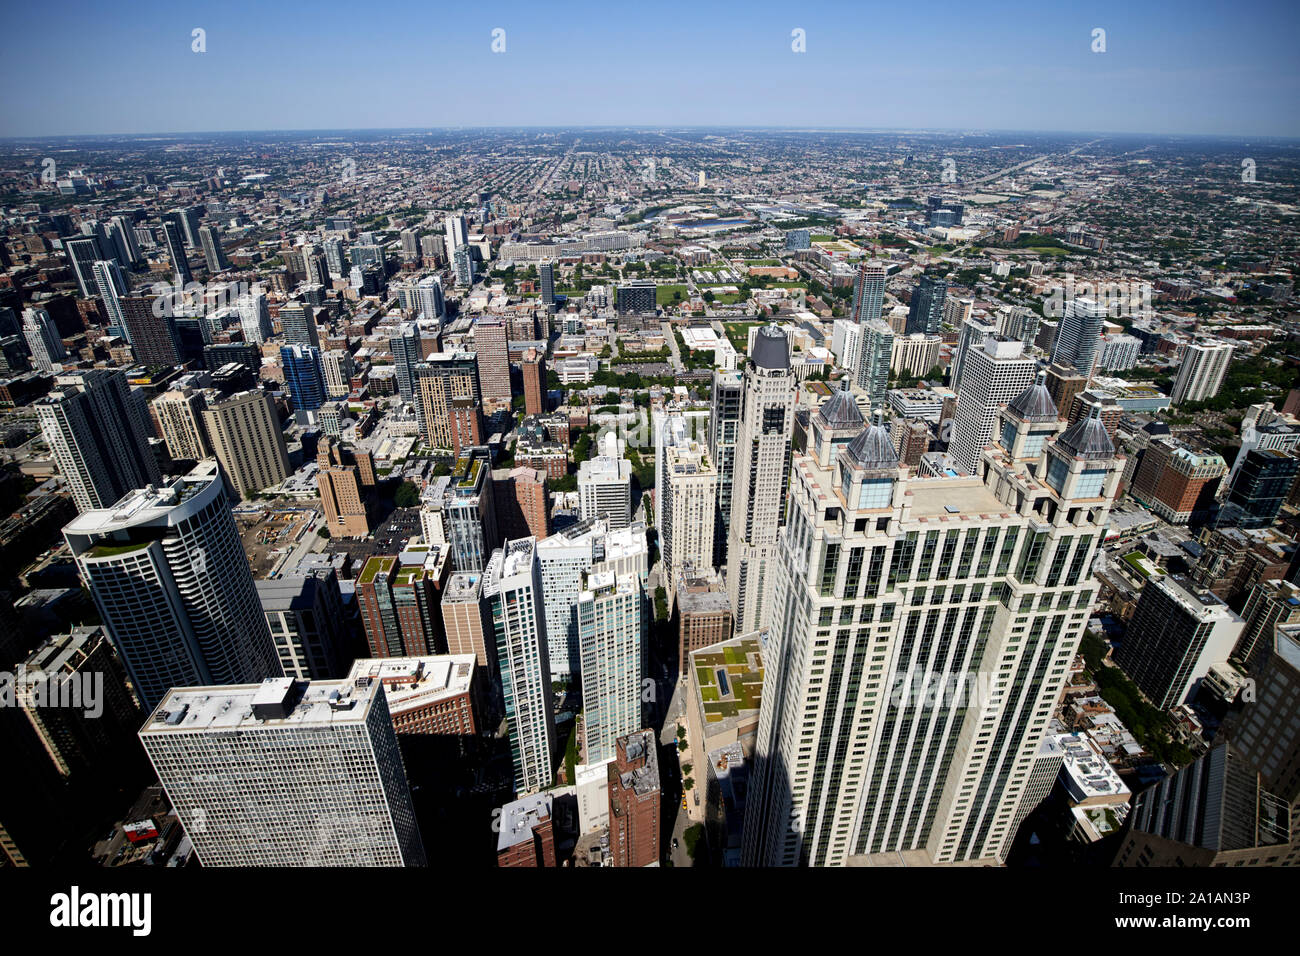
pixel 771 349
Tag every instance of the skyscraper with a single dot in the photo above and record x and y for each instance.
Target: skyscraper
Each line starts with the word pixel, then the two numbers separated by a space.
pixel 992 376
pixel 151 332
pixel 610 639
pixel 686 512
pixel 1079 337
pixel 636 297
pixel 404 343
pixel 111 287
pixel 432 304
pixel 462 261
pixel 43 340
pixel 971 335
pixel 566 559
pixel 168 574
pixel 470 510
pixel 1217 811
pixel 187 219
pixel 286 773
pixel 546 275
pixel 304 610
pixel 175 239
pixel 245 435
pixel 635 800
pixel 99 739
pixel 493 353
pixel 213 254
pixel 254 317
pixel 342 498
pixel 304 377
pixel 456 235
pixel 179 413
pixel 925 314
pixel 122 232
pixel 797 240
pixel 97 437
pixel 762 476
pixel 533 370
pixel 1202 372
pixel 1177 632
pixel 512 588
pixel 1270 603
pixel 440 379
pixel 334 257
pixel 725 401
pixel 298 323
pixel 605 488
pixel 83 252
pixel 520 501
pixel 869 292
pixel 875 355
pixel 1259 489
pixel 465 621
pixel 410 245
pixel 921 636
pixel 337 365
pixel 398 598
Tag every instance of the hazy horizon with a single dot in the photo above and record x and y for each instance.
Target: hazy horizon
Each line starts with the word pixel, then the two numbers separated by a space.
pixel 1194 68
pixel 567 127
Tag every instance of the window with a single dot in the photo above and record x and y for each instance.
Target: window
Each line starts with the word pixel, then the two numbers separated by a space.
pixel 875 493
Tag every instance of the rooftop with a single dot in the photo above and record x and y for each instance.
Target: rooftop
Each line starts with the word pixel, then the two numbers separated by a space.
pixel 287 593
pixel 1089 773
pixel 276 702
pixel 639 747
pixel 154 505
pixel 952 497
pixel 416 681
pixel 375 565
pixel 463 586
pixel 519 818
pixel 729 676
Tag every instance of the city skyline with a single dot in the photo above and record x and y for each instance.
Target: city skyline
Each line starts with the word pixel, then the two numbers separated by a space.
pixel 681 436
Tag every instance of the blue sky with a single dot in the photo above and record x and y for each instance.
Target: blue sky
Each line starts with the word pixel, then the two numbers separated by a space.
pixel 1170 66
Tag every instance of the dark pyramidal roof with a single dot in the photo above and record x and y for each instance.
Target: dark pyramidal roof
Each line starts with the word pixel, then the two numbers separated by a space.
pixel 1087 438
pixel 1035 403
pixel 872 449
pixel 840 410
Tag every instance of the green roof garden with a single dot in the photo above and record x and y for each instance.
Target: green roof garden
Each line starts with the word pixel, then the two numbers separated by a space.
pixel 112 550
pixel 730 678
pixel 373 567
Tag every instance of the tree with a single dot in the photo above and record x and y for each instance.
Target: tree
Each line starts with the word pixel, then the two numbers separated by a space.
pixel 407 496
pixel 692 836
pixel 324 532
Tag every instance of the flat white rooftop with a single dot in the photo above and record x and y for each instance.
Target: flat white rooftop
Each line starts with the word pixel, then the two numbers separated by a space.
pixel 1090 774
pixel 231 707
pixel 417 681
pixel 519 818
